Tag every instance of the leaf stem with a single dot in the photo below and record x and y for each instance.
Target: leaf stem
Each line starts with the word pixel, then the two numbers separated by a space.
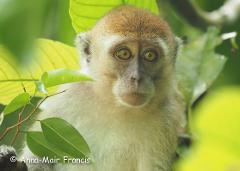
pixel 190 120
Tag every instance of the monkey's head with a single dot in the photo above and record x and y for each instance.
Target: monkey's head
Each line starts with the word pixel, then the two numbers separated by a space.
pixel 131 52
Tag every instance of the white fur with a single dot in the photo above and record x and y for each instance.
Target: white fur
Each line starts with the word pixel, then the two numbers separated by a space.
pixel 109 40
pixel 121 138
pixel 164 46
pixel 115 91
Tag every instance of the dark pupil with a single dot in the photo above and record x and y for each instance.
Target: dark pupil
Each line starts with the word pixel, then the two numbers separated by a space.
pixel 149 55
pixel 124 54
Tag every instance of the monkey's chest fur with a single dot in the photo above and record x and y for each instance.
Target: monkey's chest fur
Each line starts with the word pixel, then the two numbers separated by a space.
pixel 120 140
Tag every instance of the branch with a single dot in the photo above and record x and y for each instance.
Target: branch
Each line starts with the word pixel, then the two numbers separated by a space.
pixel 226 15
pixel 19 126
pixel 20 120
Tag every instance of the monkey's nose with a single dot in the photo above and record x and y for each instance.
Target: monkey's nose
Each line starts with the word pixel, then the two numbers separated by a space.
pixel 135 80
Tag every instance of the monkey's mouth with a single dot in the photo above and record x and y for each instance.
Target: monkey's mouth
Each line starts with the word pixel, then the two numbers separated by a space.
pixel 134 99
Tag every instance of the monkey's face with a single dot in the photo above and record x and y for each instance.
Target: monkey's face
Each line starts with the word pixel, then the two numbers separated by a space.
pixel 131 52
pixel 133 67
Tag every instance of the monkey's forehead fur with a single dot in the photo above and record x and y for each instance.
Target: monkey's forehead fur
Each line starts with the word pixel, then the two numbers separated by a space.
pixel 133 22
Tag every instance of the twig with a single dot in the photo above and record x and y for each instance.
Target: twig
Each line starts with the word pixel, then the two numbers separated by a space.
pixel 228 14
pixel 28 116
pixel 19 120
pixel 19 126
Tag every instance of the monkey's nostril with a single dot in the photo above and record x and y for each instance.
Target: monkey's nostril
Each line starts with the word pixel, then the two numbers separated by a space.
pixel 133 79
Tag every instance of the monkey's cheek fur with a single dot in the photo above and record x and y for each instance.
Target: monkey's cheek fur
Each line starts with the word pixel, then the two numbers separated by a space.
pixel 134 99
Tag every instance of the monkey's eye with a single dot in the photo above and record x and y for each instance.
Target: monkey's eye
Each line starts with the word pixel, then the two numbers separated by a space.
pixel 150 56
pixel 123 54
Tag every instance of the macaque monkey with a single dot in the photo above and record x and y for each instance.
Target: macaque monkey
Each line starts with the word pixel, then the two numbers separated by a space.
pixel 130 114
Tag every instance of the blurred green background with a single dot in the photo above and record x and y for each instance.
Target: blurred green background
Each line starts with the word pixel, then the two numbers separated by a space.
pixel 21 21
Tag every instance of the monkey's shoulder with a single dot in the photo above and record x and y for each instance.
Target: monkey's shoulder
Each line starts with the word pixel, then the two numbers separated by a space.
pixel 76 87
pixel 72 90
pixel 69 95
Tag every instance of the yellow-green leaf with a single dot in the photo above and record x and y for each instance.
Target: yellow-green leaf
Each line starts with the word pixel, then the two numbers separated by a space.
pixel 61 76
pixel 83 17
pixel 51 55
pixel 218 118
pixel 217 126
pixel 210 156
pixel 18 102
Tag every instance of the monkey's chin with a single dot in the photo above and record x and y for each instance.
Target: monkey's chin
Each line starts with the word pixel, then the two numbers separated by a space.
pixel 134 99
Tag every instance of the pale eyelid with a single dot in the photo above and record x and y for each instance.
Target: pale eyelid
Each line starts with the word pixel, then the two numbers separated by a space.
pixel 117 47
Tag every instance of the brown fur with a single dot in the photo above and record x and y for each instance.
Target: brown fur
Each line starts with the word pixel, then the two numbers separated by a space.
pixel 134 22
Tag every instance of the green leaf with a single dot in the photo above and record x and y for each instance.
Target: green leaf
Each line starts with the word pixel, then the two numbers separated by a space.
pixel 83 17
pixel 18 102
pixel 41 147
pixel 51 55
pixel 63 135
pixel 61 76
pixel 198 66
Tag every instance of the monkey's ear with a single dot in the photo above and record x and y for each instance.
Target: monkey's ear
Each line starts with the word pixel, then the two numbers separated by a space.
pixel 178 47
pixel 83 45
